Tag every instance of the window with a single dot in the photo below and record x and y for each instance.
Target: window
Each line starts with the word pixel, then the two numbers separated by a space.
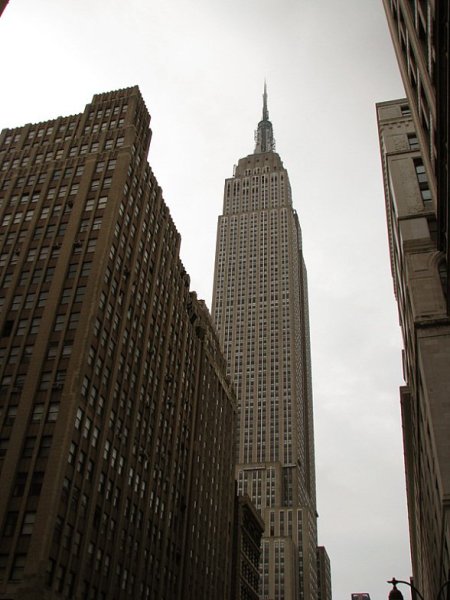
pixel 18 567
pixel 35 325
pixel 27 353
pixel 10 416
pixel 10 523
pixel 16 302
pixel 78 418
pixel 72 453
pixel 28 523
pixel 42 298
pixel 6 219
pixel 19 487
pixel 79 293
pixel 84 225
pixel 95 437
pixel 49 274
pixel 37 479
pixel 22 326
pixel 73 320
pixel 28 446
pixel 24 277
pixel 3 446
pixel 37 275
pixel 53 411
pixel 426 196
pixel 59 322
pixel 29 300
pixel 7 328
pixel 87 427
pixel 81 461
pixel 86 269
pixel 45 212
pixel 38 413
pixel 90 203
pixel 31 254
pixel 420 171
pixel 85 386
pixel 65 295
pixel 44 448
pixel 46 378
pixel 90 470
pixel 405 110
pixel 67 350
pixel 413 141
pixel 72 270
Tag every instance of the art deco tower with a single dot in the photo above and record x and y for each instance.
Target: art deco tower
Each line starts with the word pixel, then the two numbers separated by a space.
pixel 260 307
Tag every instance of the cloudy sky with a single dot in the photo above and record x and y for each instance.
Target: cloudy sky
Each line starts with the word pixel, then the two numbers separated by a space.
pixel 201 65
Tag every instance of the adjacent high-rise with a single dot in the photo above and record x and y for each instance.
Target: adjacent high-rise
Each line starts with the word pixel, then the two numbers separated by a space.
pixel 116 415
pixel 414 140
pixel 421 38
pixel 418 270
pixel 324 575
pixel 260 308
pixel 3 4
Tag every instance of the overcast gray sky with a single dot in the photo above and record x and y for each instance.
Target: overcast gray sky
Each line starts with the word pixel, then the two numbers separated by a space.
pixel 201 65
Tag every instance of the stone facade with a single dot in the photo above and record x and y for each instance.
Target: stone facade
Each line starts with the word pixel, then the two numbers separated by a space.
pixel 419 273
pixel 417 203
pixel 117 418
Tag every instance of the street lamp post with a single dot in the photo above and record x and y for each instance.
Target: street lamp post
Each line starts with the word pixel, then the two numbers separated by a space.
pixel 396 594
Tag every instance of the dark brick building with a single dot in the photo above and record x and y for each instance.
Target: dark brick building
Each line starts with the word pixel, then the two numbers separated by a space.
pixel 116 418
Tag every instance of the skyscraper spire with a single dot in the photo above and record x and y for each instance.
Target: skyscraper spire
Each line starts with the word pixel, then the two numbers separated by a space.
pixel 265 114
pixel 265 141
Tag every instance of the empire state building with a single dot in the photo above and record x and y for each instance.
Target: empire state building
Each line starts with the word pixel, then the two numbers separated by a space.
pixel 260 308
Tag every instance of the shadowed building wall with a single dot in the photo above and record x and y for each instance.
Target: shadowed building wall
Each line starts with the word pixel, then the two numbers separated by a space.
pixel 414 135
pixel 324 574
pixel 116 419
pixel 419 273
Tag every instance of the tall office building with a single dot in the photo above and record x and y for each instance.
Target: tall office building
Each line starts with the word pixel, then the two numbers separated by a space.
pixel 248 529
pixel 260 308
pixel 3 4
pixel 414 139
pixel 419 273
pixel 116 460
pixel 421 38
pixel 324 575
